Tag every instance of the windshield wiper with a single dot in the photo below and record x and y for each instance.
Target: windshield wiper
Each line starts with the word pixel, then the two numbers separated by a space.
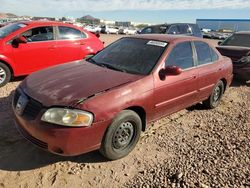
pixel 111 67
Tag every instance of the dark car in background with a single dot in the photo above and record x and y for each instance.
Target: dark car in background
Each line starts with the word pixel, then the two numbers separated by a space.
pixel 237 47
pixel 174 29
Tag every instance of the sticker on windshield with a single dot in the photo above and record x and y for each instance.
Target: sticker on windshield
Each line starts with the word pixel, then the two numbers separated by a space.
pixel 157 43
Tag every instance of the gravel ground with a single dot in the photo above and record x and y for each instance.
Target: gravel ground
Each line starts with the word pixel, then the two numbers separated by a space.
pixel 192 148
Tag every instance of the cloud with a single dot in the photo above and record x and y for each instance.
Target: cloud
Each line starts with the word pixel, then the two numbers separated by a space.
pixel 33 7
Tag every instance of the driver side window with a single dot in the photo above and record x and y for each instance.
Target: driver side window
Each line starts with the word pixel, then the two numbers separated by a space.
pixel 181 56
pixel 39 34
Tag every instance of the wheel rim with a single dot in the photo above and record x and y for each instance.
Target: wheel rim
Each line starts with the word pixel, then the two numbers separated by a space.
pixel 2 75
pixel 123 135
pixel 217 93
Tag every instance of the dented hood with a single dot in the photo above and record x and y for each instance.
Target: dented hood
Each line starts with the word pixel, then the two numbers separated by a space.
pixel 66 84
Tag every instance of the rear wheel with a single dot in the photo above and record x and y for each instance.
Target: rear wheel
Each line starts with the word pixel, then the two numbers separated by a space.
pixel 122 135
pixel 214 99
pixel 5 74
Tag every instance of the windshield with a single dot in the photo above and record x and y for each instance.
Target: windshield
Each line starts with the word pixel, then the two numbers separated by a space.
pixel 237 40
pixel 136 56
pixel 10 28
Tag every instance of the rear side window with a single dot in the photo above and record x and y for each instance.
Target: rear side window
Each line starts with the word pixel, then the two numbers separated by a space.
pixel 39 34
pixel 174 29
pixel 214 55
pixel 205 53
pixel 181 56
pixel 70 33
pixel 184 29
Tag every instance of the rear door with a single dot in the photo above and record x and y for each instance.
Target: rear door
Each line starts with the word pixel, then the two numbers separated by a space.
pixel 38 53
pixel 69 43
pixel 177 91
pixel 209 68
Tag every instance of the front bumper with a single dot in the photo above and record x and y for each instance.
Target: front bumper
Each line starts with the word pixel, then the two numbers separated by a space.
pixel 62 140
pixel 67 141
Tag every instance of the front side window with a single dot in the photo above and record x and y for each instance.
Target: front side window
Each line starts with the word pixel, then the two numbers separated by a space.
pixel 146 30
pixel 135 56
pixel 181 56
pixel 10 28
pixel 70 33
pixel 39 34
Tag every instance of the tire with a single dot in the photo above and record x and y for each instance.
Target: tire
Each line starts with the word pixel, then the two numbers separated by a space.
pixel 214 99
pixel 5 74
pixel 122 135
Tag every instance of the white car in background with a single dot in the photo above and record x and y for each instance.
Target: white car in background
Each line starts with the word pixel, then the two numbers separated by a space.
pixel 128 31
pixel 110 29
pixel 93 28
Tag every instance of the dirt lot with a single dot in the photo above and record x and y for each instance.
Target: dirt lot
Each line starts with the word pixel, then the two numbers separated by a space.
pixel 193 148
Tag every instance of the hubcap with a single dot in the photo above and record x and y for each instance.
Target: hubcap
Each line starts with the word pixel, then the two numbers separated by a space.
pixel 2 75
pixel 123 135
pixel 217 93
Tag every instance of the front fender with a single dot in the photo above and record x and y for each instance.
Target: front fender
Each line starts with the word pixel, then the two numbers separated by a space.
pixel 9 62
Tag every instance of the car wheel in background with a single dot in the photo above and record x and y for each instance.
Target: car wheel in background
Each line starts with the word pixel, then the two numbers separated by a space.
pixel 214 99
pixel 122 135
pixel 5 74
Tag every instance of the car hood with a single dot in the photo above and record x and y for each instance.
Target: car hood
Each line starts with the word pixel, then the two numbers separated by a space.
pixel 234 52
pixel 67 84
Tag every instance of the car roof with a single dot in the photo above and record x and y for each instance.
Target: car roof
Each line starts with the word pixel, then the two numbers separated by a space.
pixel 159 25
pixel 243 32
pixel 44 23
pixel 165 38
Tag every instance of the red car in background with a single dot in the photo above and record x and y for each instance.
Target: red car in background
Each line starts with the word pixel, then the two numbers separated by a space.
pixel 30 46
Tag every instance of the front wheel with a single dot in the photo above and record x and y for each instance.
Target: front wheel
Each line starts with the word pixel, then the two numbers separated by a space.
pixel 122 135
pixel 5 74
pixel 214 99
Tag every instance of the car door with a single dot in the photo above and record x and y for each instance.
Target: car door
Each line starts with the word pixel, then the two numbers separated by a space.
pixel 209 68
pixel 177 91
pixel 69 43
pixel 38 53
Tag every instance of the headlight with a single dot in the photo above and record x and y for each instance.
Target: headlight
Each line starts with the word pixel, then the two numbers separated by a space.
pixel 68 117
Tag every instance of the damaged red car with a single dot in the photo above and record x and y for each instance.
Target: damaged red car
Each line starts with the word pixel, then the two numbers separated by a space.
pixel 237 47
pixel 105 102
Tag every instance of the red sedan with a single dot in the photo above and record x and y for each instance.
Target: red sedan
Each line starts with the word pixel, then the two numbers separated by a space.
pixel 106 101
pixel 26 47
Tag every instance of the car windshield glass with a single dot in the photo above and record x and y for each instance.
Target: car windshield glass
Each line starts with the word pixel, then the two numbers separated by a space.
pixel 238 40
pixel 10 28
pixel 136 56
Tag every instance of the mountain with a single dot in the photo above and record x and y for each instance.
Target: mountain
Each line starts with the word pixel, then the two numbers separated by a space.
pixel 8 15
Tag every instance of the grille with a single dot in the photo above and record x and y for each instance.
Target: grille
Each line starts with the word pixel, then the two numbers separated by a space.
pixel 32 108
pixel 16 97
pixel 35 141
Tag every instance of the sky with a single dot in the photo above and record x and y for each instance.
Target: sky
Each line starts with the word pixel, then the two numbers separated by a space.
pixel 149 11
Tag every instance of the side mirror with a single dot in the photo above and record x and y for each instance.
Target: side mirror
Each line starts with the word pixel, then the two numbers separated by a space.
pixel 97 34
pixel 19 40
pixel 219 43
pixel 169 70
